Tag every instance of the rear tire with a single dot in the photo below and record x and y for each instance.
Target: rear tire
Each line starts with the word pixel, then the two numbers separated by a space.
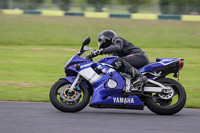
pixel 65 106
pixel 167 108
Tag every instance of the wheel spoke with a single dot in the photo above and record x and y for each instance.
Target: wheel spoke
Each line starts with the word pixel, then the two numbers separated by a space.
pixel 156 100
pixel 175 93
pixel 165 102
pixel 62 100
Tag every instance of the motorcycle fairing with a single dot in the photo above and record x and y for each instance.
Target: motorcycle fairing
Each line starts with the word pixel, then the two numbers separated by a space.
pixel 160 62
pixel 75 60
pixel 131 102
pixel 69 67
pixel 108 60
pixel 70 70
pixel 103 95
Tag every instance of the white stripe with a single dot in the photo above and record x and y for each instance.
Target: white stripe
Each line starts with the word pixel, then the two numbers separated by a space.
pixel 90 75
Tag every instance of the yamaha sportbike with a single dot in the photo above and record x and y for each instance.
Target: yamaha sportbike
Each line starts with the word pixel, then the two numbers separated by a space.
pixel 104 87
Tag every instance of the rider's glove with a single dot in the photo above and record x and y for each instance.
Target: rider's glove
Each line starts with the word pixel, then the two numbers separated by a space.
pixel 97 52
pixel 94 54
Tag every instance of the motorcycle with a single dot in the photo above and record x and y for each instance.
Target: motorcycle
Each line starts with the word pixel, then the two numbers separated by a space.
pixel 104 87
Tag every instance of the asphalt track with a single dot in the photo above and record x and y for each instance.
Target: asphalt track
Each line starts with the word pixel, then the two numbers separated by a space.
pixel 24 117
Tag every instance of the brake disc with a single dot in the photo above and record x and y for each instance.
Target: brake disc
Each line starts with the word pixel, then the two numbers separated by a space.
pixel 69 97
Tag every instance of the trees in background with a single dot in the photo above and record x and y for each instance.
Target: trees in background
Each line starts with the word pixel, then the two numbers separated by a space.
pixel 63 4
pixel 32 4
pixel 24 4
pixel 179 6
pixel 4 4
pixel 98 4
pixel 192 6
pixel 133 4
pixel 166 6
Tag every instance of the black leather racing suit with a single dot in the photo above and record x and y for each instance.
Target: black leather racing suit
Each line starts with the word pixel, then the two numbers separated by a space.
pixel 130 57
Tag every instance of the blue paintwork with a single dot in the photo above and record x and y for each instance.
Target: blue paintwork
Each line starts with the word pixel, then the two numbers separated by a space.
pixel 102 94
pixel 70 70
pixel 157 65
pixel 77 60
pixel 108 60
pixel 69 78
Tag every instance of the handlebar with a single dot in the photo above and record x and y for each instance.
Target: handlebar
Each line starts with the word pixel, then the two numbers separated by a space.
pixel 89 57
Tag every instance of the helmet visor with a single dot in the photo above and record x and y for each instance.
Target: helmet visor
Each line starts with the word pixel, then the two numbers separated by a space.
pixel 99 43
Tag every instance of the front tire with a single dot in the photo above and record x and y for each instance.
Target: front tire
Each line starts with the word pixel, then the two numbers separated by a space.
pixel 73 102
pixel 170 106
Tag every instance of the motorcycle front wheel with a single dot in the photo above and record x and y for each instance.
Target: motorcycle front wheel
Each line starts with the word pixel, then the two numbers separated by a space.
pixel 66 101
pixel 160 104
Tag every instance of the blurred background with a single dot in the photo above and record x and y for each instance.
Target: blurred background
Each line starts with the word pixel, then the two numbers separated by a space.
pixel 113 6
pixel 35 48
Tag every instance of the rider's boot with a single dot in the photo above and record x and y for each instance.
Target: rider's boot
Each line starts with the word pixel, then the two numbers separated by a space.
pixel 139 78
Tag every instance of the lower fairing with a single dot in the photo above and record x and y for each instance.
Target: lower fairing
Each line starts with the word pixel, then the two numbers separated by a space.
pixel 123 106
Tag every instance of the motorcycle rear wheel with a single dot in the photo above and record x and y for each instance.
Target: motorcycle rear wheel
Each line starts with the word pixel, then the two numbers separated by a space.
pixel 170 106
pixel 65 102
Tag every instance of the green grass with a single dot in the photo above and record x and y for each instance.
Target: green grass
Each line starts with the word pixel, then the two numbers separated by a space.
pixel 43 30
pixel 34 49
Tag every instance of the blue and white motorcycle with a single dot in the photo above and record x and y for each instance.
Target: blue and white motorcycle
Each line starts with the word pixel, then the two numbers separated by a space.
pixel 109 88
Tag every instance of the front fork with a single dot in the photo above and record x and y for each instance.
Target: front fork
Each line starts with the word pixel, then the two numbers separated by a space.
pixel 74 83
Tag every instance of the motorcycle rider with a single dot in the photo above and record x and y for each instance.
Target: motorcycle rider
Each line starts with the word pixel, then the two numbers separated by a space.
pixel 130 57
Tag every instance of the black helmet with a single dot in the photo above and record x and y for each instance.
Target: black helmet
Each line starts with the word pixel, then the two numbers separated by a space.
pixel 105 38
